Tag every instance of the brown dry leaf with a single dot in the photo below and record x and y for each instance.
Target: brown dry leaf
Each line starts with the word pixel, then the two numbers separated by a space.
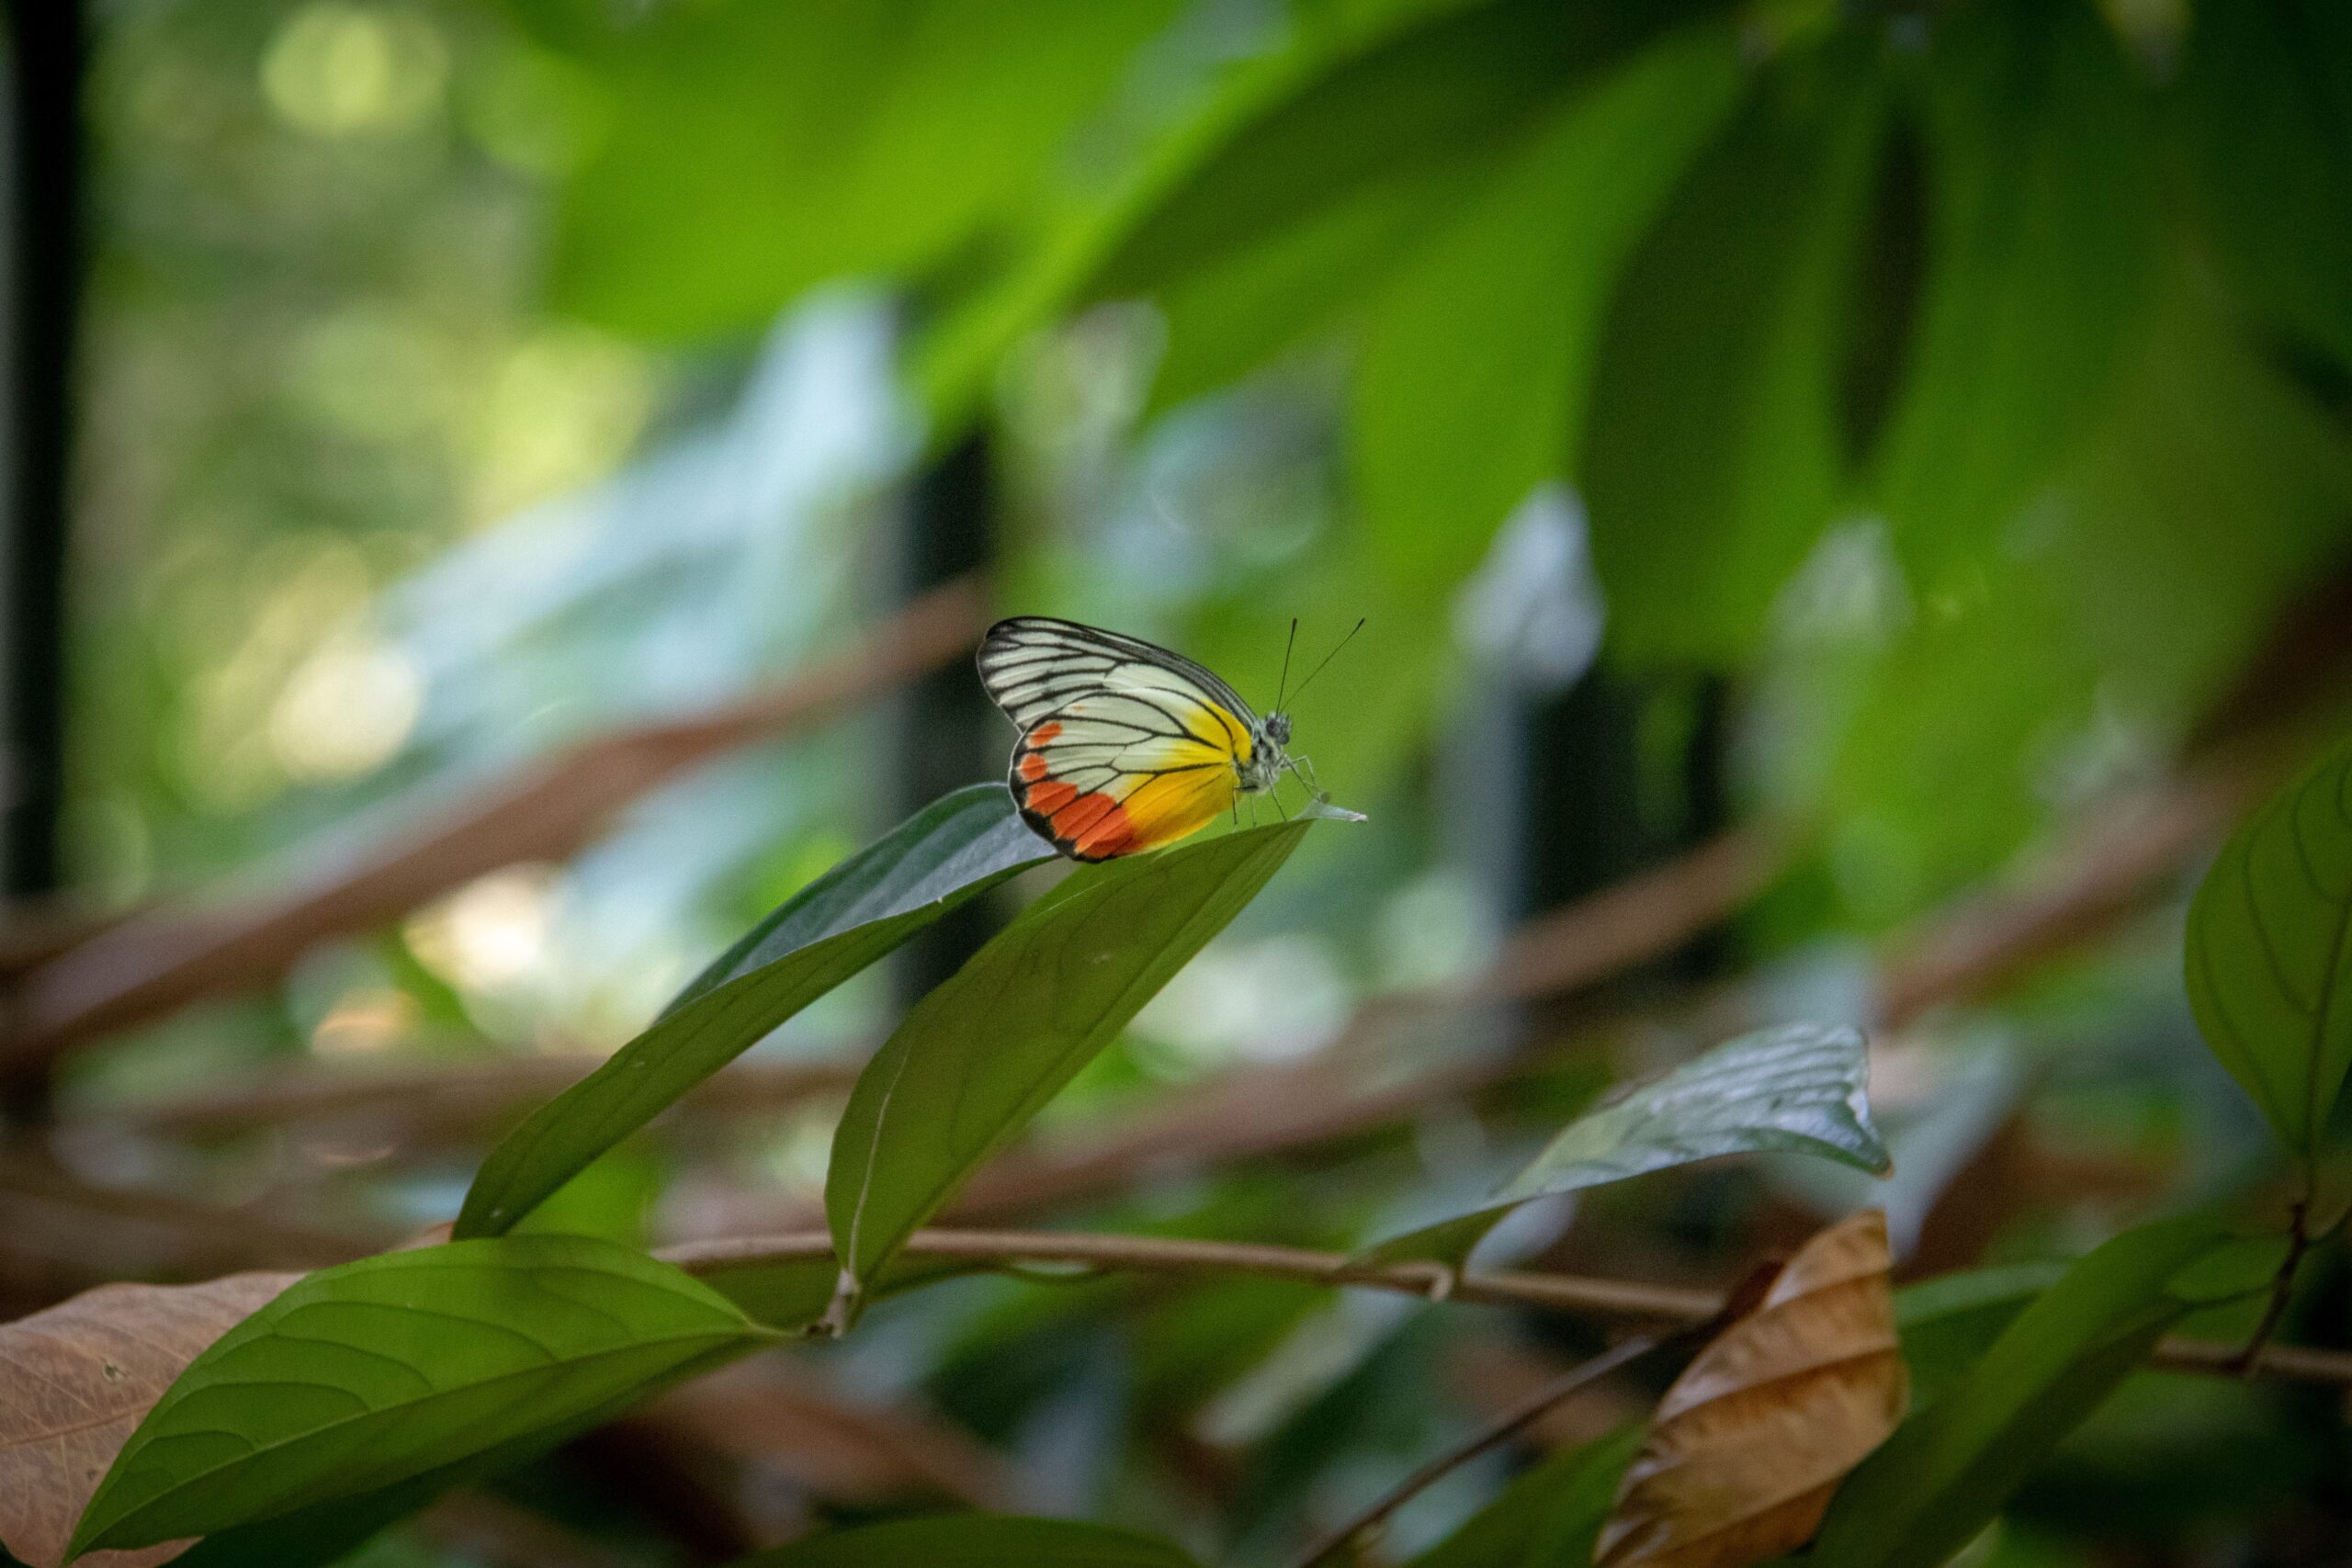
pixel 1750 1442
pixel 74 1380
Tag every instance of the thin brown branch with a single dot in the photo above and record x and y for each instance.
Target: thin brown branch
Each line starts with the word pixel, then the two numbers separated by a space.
pixel 1626 1299
pixel 1247 1113
pixel 2282 1286
pixel 2125 856
pixel 1512 1422
pixel 33 931
pixel 440 1100
pixel 1164 1255
pixel 158 961
pixel 1647 915
pixel 59 1234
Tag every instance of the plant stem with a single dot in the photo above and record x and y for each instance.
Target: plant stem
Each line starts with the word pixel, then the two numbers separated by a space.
pixel 1506 1426
pixel 2282 1286
pixel 1621 1298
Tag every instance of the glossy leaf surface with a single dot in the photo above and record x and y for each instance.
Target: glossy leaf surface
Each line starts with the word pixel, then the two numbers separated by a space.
pixel 376 1372
pixel 955 849
pixel 984 1052
pixel 1799 1089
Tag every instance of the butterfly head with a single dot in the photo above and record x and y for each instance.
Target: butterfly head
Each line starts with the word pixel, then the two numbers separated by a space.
pixel 1263 768
pixel 1268 754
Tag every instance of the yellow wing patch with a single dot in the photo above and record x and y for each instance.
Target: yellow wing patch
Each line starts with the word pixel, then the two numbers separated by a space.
pixel 1098 797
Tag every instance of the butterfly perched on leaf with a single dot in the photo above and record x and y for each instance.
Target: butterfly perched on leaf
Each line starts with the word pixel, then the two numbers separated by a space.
pixel 1125 746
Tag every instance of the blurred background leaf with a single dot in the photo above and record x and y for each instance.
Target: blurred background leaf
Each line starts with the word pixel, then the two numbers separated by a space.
pixel 1712 457
pixel 1864 489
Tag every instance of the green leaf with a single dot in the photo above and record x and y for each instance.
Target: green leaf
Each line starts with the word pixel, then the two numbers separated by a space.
pixel 756 149
pixel 1948 1469
pixel 961 843
pixel 560 23
pixel 329 1533
pixel 2263 108
pixel 1473 372
pixel 2269 953
pixel 975 1541
pixel 1550 1514
pixel 1947 1323
pixel 955 849
pixel 2199 512
pixel 1798 1090
pixel 1235 314
pixel 1424 96
pixel 985 1051
pixel 2042 249
pixel 614 1198
pixel 1713 457
pixel 381 1371
pixel 1280 205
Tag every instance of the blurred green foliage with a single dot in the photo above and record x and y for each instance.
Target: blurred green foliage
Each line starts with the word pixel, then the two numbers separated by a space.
pixel 1950 398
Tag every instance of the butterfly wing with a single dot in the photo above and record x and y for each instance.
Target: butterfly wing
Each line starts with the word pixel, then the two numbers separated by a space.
pixel 1124 745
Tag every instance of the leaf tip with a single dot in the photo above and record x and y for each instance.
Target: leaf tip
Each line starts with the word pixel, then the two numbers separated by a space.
pixel 1321 809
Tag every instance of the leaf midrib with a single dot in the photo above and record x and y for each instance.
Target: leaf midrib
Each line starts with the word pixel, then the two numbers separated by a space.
pixel 937 1192
pixel 711 1340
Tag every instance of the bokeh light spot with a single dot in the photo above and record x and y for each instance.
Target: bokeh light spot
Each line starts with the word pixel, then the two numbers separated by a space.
pixel 347 711
pixel 339 70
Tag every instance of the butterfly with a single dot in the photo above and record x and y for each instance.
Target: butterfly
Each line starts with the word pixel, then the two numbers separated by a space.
pixel 1125 746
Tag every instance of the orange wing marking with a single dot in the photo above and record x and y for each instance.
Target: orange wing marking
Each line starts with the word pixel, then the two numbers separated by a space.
pixel 1110 834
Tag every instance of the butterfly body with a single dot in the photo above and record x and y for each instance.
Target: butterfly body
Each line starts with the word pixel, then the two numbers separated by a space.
pixel 1124 745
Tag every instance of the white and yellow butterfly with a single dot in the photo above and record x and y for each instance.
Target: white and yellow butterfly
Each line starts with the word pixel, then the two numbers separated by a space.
pixel 1125 746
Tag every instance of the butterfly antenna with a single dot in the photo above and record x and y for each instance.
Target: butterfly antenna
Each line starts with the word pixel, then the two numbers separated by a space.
pixel 1283 684
pixel 1330 655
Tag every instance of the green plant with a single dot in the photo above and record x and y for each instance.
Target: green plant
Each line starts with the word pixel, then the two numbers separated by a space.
pixel 1948 401
pixel 364 1390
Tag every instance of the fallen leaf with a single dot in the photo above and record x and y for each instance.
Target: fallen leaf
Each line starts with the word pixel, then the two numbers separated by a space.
pixel 76 1378
pixel 1751 1441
